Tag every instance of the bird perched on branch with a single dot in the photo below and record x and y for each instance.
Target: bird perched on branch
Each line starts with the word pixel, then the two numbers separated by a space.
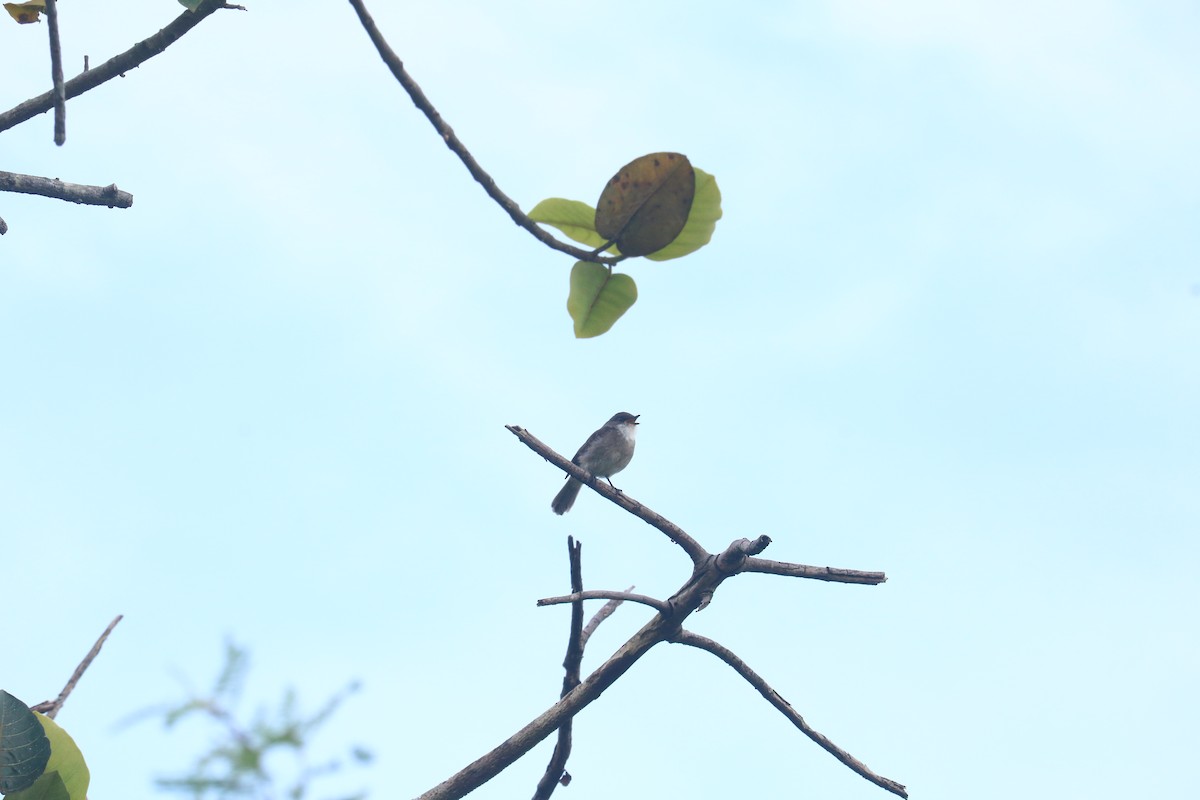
pixel 605 453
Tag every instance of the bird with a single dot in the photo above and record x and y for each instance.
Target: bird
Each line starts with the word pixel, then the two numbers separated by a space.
pixel 605 453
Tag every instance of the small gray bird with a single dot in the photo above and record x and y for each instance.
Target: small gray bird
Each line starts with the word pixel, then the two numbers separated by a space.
pixel 605 453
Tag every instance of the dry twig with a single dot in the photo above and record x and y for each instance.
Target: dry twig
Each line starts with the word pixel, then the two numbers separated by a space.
pixel 604 613
pixel 572 662
pixel 774 698
pixel 50 707
pixel 115 66
pixel 56 74
pixel 605 594
pixel 109 195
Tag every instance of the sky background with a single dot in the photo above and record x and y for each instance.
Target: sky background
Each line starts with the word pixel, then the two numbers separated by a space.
pixel 948 328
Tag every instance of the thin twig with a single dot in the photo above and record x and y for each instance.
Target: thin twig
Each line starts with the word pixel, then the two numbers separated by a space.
pixel 604 613
pixel 50 707
pixel 556 772
pixel 452 141
pixel 56 74
pixel 117 65
pixel 572 662
pixel 673 531
pixel 834 574
pixel 605 594
pixel 773 697
pixel 109 195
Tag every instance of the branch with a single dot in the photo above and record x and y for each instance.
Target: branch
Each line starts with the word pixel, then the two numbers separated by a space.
pixel 604 613
pixel 834 574
pixel 117 65
pixel 665 626
pixel 456 146
pixel 50 707
pixel 493 763
pixel 709 572
pixel 673 531
pixel 572 663
pixel 604 594
pixel 109 195
pixel 682 604
pixel 56 74
pixel 773 697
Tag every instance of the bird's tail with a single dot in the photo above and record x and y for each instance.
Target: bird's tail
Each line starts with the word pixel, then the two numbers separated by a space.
pixel 563 501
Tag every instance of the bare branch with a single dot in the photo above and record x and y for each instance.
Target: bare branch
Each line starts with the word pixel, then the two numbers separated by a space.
pixel 50 707
pixel 604 613
pixel 452 141
pixel 709 572
pixel 774 698
pixel 834 574
pixel 491 764
pixel 704 579
pixel 109 195
pixel 56 75
pixel 673 531
pixel 605 594
pixel 665 626
pixel 556 773
pixel 117 65
pixel 572 663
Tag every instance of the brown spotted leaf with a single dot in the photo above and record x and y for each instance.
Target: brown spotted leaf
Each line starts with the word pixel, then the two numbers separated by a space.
pixel 646 204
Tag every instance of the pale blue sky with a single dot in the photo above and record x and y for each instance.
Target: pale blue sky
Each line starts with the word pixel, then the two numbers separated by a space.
pixel 948 328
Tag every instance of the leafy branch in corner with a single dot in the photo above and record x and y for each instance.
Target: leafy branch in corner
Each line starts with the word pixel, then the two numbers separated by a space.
pixel 237 762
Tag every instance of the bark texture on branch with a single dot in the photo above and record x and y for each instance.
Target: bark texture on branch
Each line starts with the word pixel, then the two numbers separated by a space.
pixel 109 195
pixel 115 66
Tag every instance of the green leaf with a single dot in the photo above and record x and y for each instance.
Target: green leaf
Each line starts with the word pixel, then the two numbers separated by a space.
pixel 598 298
pixel 24 748
pixel 48 787
pixel 701 222
pixel 572 217
pixel 66 760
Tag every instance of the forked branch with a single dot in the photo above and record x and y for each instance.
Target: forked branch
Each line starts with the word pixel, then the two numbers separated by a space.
pixel 710 571
pixel 115 66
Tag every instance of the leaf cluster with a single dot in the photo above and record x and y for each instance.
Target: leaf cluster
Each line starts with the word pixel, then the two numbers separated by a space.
pixel 658 206
pixel 244 759
pixel 38 759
